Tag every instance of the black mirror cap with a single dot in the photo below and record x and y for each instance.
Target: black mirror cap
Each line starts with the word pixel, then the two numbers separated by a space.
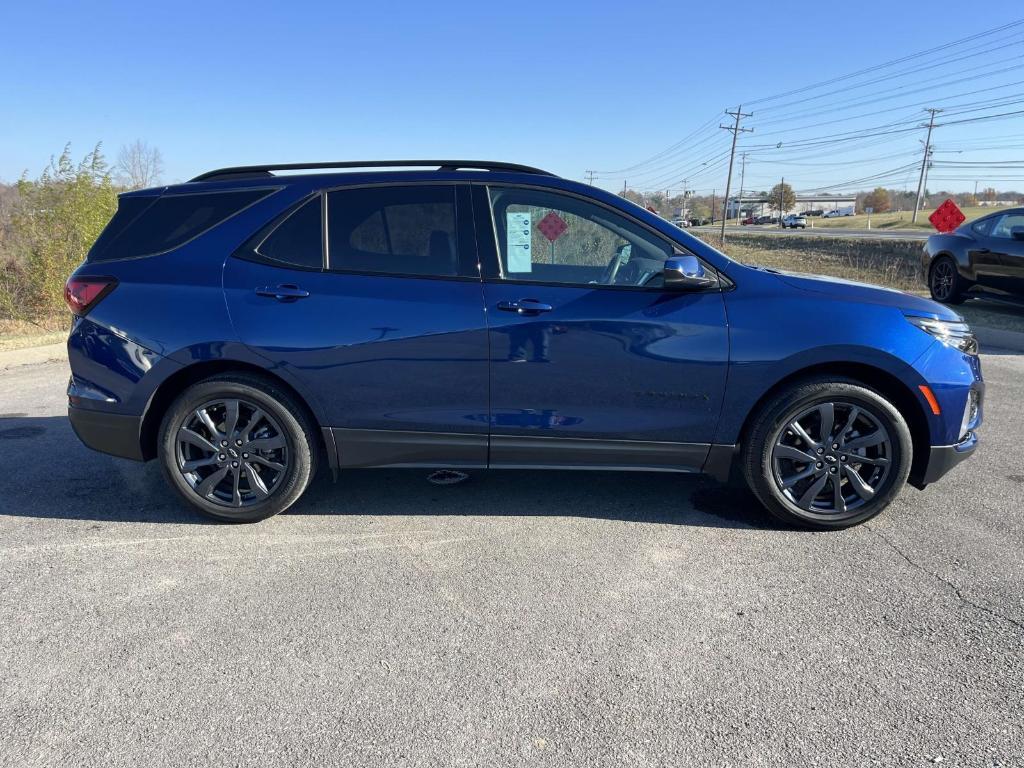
pixel 1017 233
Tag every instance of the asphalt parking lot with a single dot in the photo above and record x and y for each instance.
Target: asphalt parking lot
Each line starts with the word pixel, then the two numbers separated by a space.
pixel 545 619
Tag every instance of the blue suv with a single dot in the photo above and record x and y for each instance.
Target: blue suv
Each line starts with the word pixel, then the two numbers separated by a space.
pixel 248 326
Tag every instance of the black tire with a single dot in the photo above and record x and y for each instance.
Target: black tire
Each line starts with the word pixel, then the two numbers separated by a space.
pixel 280 422
pixel 881 467
pixel 945 282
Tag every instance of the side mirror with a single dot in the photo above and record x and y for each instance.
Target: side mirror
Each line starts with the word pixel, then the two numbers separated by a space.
pixel 1017 233
pixel 686 273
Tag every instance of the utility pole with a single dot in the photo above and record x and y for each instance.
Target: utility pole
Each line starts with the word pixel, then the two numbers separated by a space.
pixel 743 176
pixel 736 131
pixel 713 191
pixel 590 178
pixel 685 213
pixel 928 167
pixel 924 161
pixel 782 199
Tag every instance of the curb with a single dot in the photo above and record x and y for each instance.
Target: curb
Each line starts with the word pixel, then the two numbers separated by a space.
pixel 15 358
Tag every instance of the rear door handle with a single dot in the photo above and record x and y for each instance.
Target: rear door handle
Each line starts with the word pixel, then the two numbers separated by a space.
pixel 524 306
pixel 286 292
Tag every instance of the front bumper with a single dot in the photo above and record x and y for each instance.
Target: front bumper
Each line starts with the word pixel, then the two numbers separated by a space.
pixel 943 458
pixel 113 433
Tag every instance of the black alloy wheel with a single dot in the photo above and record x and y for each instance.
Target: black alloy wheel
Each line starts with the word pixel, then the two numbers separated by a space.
pixel 827 453
pixel 944 281
pixel 237 447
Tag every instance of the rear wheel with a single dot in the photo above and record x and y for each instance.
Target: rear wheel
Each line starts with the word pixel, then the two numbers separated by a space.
pixel 827 454
pixel 945 283
pixel 237 448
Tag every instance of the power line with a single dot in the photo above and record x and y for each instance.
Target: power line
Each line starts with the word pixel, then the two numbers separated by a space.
pixel 893 62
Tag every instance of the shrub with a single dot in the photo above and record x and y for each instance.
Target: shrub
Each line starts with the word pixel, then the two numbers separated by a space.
pixel 54 223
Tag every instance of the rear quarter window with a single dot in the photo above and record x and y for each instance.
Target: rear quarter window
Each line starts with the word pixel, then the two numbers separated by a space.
pixel 164 223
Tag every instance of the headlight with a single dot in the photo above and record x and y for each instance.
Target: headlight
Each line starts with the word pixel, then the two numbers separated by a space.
pixel 952 334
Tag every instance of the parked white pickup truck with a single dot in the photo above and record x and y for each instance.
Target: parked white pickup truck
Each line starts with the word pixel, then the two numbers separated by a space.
pixel 844 211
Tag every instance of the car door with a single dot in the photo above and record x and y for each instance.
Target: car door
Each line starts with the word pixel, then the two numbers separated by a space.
pixel 1006 242
pixel 370 296
pixel 591 362
pixel 983 254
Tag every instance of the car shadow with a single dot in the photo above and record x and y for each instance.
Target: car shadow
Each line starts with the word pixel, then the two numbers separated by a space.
pixel 49 474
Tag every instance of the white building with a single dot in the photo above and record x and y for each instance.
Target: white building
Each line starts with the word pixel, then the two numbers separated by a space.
pixel 754 205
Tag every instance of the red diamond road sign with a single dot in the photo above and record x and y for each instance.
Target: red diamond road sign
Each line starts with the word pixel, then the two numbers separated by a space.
pixel 947 217
pixel 552 226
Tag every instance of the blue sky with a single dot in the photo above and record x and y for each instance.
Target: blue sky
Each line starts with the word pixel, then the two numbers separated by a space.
pixel 569 86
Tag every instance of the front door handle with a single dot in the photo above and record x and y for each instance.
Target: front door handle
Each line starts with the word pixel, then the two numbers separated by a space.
pixel 524 306
pixel 286 292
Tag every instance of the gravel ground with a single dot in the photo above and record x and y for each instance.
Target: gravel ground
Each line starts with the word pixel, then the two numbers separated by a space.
pixel 546 619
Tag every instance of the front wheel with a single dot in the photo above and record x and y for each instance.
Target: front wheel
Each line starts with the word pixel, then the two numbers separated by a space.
pixel 827 454
pixel 237 447
pixel 945 283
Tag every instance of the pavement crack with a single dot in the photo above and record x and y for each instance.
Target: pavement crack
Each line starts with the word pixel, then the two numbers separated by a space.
pixel 942 579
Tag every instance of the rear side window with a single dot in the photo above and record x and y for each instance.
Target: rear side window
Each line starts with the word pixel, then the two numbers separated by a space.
pixel 298 239
pixel 168 222
pixel 128 209
pixel 394 230
pixel 984 226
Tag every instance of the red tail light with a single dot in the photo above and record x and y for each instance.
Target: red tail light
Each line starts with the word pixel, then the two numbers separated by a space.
pixel 83 293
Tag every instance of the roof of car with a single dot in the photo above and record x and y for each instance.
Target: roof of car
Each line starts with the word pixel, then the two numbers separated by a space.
pixel 350 172
pixel 265 171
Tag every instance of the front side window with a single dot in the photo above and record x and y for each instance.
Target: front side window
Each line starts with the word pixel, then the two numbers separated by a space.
pixel 554 238
pixel 1004 227
pixel 393 230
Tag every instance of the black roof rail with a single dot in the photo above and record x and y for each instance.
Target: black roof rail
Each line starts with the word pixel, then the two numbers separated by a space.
pixel 256 171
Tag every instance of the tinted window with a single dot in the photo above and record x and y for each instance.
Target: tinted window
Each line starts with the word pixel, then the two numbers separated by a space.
pixel 397 230
pixel 982 227
pixel 128 209
pixel 554 238
pixel 171 221
pixel 1004 227
pixel 298 239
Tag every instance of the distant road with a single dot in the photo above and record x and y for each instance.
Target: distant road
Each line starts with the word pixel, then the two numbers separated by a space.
pixel 870 234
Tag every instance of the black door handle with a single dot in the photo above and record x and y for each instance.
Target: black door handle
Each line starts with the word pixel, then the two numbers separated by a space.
pixel 524 306
pixel 286 292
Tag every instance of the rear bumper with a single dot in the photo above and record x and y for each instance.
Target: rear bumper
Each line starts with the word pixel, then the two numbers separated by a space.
pixel 943 458
pixel 113 433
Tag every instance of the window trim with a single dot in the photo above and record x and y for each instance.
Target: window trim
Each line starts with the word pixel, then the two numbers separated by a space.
pixel 270 192
pixel 493 273
pixel 460 231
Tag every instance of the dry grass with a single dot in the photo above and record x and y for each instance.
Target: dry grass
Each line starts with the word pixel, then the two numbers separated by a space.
pixel 18 334
pixel 892 220
pixel 892 263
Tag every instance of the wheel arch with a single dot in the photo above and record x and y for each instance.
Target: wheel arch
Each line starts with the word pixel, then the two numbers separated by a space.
pixel 178 381
pixel 958 255
pixel 885 383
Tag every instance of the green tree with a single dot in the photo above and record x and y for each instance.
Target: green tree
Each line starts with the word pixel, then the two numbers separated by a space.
pixel 55 221
pixel 781 198
pixel 878 200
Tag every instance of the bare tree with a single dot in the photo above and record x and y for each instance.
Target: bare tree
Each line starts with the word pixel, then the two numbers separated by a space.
pixel 139 165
